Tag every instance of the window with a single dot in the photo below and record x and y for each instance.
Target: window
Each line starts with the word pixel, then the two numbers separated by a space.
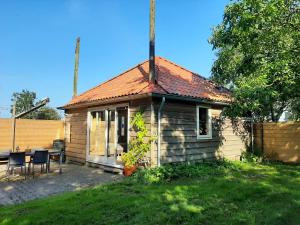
pixel 203 122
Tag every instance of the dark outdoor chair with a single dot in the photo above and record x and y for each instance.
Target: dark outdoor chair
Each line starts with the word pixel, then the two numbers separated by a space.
pixel 16 160
pixel 3 161
pixel 40 157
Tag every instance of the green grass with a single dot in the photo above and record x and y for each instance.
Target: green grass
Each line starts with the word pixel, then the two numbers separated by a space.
pixel 243 194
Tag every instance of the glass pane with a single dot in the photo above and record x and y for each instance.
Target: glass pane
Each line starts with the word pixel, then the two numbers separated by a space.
pixel 97 133
pixel 203 121
pixel 111 134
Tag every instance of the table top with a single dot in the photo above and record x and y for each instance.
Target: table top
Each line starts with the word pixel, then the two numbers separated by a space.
pixel 5 154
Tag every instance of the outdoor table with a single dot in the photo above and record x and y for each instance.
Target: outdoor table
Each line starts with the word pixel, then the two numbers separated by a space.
pixel 52 152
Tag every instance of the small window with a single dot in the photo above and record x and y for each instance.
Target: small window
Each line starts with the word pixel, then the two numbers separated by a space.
pixel 203 122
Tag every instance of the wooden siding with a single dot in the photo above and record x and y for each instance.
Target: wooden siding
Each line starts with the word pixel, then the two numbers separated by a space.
pixel 178 133
pixel 144 105
pixel 179 136
pixel 30 133
pixel 279 141
pixel 76 126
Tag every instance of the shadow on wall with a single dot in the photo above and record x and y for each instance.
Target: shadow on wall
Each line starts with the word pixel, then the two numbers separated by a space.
pixel 179 136
pixel 278 141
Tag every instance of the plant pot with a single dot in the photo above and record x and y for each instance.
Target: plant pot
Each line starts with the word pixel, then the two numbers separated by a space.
pixel 129 170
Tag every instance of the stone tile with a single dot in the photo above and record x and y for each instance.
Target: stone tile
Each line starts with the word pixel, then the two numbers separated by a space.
pixel 74 177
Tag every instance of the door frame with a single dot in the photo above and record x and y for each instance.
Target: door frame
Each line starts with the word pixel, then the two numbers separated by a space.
pixel 104 159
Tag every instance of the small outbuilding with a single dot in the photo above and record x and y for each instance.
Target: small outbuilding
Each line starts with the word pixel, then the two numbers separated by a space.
pixel 181 108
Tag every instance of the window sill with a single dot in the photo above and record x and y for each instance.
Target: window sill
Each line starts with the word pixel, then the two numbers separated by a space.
pixel 204 137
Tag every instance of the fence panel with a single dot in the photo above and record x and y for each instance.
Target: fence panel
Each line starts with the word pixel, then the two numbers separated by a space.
pixel 30 133
pixel 279 141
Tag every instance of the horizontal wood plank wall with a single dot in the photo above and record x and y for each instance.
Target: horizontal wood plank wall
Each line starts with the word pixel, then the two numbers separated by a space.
pixel 179 138
pixel 76 126
pixel 279 141
pixel 30 133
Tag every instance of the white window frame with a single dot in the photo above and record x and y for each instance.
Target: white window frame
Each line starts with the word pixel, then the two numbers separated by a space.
pixel 209 135
pixel 104 108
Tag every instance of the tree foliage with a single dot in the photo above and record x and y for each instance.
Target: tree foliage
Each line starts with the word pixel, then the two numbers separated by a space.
pixel 47 113
pixel 258 57
pixel 25 100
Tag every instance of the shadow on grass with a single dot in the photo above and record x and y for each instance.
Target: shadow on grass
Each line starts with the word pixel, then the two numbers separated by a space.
pixel 242 194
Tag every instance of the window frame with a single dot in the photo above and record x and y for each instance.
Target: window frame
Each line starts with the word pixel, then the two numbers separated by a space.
pixel 209 135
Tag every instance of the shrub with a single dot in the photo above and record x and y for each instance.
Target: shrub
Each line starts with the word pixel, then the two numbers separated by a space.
pixel 174 171
pixel 140 145
pixel 250 157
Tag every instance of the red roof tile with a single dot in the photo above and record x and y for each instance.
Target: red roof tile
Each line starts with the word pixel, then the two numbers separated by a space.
pixel 171 79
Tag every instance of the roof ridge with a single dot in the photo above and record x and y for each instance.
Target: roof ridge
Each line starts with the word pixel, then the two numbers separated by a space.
pixel 175 64
pixel 137 65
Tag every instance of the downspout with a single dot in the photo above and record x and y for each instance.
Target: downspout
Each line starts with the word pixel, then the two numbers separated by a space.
pixel 158 129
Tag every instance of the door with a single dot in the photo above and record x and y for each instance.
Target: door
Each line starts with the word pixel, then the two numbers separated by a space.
pixel 97 134
pixel 122 131
pixel 107 135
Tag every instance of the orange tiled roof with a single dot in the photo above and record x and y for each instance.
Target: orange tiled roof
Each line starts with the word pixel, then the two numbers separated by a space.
pixel 171 79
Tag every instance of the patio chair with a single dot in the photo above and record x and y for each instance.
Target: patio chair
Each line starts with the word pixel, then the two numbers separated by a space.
pixel 16 160
pixel 40 157
pixel 4 163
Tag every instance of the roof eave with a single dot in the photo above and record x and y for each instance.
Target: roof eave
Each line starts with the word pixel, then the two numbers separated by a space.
pixel 105 101
pixel 191 99
pixel 139 96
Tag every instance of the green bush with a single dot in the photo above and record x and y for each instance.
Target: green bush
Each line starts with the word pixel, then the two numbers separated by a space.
pixel 250 157
pixel 171 172
pixel 139 146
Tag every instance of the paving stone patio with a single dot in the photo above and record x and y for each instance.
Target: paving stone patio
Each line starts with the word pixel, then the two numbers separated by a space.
pixel 73 178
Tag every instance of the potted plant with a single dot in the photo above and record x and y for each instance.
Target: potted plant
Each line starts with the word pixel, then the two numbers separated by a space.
pixel 130 163
pixel 138 146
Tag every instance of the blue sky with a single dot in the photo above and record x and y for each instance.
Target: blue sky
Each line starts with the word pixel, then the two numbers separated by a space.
pixel 37 41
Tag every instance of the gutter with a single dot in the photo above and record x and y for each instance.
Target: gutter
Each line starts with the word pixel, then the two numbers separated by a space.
pixel 158 129
pixel 190 99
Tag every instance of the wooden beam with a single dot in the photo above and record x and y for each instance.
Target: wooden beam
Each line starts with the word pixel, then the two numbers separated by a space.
pixel 152 75
pixel 76 66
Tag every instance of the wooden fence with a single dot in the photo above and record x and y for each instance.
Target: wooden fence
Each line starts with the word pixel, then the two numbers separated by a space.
pixel 279 141
pixel 30 133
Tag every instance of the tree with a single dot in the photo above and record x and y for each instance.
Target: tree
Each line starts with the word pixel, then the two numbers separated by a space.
pixel 25 100
pixel 258 57
pixel 47 113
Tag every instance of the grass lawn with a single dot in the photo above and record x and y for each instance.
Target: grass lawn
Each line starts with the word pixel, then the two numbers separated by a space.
pixel 245 194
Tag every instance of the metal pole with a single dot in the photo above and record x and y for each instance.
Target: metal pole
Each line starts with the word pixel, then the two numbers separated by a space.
pixel 158 129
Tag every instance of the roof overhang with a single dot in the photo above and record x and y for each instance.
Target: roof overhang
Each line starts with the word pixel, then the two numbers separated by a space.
pixel 105 101
pixel 191 99
pixel 140 96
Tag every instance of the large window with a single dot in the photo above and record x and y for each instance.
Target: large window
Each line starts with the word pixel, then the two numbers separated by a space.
pixel 203 122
